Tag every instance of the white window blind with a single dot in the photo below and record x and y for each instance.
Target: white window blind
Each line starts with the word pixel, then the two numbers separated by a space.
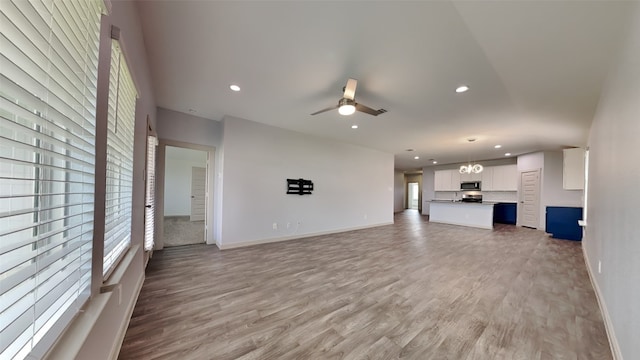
pixel 150 198
pixel 118 194
pixel 48 75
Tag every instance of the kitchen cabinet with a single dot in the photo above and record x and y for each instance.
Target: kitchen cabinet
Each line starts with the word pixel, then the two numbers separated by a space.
pixel 455 180
pixel 562 222
pixel 446 180
pixel 493 178
pixel 505 213
pixel 505 178
pixel 486 177
pixel 442 180
pixel 470 177
pixel 573 169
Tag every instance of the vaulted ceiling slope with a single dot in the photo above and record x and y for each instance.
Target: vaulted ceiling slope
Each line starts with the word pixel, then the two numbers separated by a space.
pixel 535 69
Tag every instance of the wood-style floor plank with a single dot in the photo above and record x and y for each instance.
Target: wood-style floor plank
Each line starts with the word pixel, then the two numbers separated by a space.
pixel 412 290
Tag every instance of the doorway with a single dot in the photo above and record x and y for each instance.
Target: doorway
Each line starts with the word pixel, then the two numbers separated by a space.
pixel 185 207
pixel 414 192
pixel 530 199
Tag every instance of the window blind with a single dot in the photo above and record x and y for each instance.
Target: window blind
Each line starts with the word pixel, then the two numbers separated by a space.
pixel 48 76
pixel 119 181
pixel 150 200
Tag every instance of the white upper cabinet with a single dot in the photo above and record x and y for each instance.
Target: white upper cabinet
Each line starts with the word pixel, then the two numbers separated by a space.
pixel 487 178
pixel 573 169
pixel 455 180
pixel 442 180
pixel 505 178
pixel 493 178
pixel 470 177
pixel 446 180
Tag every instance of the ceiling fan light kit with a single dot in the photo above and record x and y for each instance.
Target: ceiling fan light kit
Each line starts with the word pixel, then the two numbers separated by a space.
pixel 348 105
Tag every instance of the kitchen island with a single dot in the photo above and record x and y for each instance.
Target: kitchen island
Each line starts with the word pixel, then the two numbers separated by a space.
pixel 478 215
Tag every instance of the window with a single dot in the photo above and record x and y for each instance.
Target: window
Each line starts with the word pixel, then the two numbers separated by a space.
pixel 150 198
pixel 48 76
pixel 118 194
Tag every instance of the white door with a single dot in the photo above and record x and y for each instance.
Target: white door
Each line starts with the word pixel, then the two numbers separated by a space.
pixel 530 198
pixel 198 186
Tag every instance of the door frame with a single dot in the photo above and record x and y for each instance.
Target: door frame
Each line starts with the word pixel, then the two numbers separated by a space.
pixel 410 192
pixel 209 193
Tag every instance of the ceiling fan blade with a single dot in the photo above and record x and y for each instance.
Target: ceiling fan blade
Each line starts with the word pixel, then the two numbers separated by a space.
pixel 325 110
pixel 368 110
pixel 350 89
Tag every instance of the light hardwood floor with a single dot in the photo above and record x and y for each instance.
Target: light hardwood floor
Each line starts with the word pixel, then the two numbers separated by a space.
pixel 412 290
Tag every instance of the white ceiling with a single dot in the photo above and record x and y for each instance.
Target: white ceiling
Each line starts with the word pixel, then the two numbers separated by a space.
pixel 535 68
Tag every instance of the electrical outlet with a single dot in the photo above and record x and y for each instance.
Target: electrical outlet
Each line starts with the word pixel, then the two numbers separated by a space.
pixel 365 216
pixel 599 267
pixel 288 225
pixel 275 226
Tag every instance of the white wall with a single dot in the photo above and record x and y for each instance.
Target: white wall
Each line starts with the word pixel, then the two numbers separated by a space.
pixel 354 186
pixel 428 184
pixel 552 192
pixel 398 191
pixel 177 180
pixel 186 128
pixel 612 235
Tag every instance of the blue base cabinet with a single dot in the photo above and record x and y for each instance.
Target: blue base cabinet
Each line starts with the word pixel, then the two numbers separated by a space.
pixel 562 222
pixel 505 213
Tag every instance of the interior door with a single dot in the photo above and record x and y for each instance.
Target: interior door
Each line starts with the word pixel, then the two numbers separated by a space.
pixel 198 186
pixel 530 198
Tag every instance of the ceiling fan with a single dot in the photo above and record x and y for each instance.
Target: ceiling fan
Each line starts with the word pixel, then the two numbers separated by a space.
pixel 348 105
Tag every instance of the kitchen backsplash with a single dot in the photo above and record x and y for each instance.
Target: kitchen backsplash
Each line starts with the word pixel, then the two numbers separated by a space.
pixel 505 196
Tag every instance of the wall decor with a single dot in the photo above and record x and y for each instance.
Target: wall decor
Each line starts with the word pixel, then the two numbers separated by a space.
pixel 299 186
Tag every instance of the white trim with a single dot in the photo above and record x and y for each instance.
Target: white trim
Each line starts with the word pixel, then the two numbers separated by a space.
pixel 115 350
pixel 160 186
pixel 72 340
pixel 608 325
pixel 294 237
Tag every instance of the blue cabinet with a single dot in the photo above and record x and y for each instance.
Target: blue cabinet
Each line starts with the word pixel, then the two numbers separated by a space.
pixel 505 213
pixel 562 222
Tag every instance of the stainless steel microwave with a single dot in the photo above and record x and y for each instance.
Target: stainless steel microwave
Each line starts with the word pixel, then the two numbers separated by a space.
pixel 470 186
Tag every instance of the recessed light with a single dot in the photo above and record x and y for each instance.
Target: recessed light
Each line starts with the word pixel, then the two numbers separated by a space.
pixel 416 157
pixel 462 88
pixel 234 87
pixel 409 150
pixel 435 162
pixel 354 126
pixel 498 146
pixel 507 154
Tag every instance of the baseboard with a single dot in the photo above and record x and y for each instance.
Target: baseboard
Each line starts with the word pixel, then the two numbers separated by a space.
pixel 223 246
pixel 613 342
pixel 117 345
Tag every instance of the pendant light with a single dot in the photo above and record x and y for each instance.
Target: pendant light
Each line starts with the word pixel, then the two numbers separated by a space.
pixel 471 168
